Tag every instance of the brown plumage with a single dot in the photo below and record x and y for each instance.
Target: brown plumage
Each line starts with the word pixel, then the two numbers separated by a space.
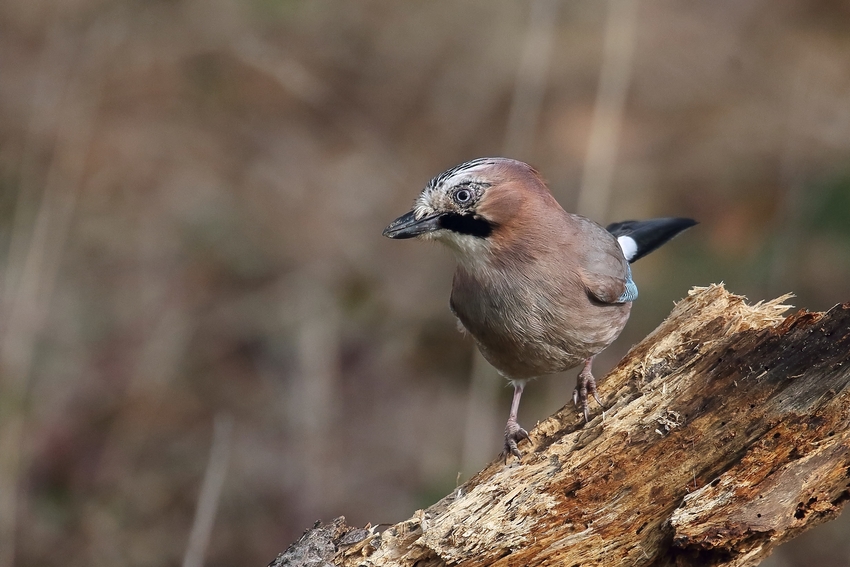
pixel 540 290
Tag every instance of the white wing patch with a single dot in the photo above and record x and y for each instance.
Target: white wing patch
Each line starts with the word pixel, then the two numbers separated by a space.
pixel 629 247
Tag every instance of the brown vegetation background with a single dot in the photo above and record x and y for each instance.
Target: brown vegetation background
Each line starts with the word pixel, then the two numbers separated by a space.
pixel 192 195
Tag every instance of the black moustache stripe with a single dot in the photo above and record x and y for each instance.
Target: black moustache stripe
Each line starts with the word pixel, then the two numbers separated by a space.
pixel 467 224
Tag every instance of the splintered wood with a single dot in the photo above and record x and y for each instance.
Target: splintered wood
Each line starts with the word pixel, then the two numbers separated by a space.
pixel 727 432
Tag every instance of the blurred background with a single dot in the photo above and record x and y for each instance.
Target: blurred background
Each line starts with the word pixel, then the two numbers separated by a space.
pixel 205 342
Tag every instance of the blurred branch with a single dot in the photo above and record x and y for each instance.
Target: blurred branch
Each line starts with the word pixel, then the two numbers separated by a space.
pixel 523 117
pixel 54 67
pixel 308 88
pixel 316 385
pixel 29 290
pixel 287 72
pixel 791 206
pixel 614 79
pixel 727 433
pixel 482 423
pixel 199 537
pixel 530 81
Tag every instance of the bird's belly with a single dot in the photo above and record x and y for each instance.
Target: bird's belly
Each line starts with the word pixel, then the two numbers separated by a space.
pixel 525 341
pixel 531 359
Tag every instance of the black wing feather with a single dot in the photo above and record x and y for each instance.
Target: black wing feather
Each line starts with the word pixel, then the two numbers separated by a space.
pixel 650 234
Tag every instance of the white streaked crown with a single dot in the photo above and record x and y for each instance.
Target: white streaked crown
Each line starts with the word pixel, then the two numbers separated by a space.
pixel 437 195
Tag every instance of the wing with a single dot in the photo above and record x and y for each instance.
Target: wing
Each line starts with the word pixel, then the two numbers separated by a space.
pixel 609 289
pixel 604 271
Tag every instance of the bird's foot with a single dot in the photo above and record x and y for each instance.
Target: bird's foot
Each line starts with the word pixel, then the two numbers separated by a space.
pixel 586 383
pixel 513 435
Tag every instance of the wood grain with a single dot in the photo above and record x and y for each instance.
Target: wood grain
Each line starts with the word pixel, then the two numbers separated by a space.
pixel 727 433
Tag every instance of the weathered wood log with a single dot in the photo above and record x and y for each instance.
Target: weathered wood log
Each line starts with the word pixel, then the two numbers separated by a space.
pixel 727 433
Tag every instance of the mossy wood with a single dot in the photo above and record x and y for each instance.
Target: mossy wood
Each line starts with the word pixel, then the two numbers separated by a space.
pixel 727 432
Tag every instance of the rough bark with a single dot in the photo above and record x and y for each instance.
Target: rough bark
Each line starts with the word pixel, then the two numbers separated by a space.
pixel 727 433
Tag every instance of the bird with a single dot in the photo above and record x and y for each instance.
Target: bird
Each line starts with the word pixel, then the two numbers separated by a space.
pixel 540 290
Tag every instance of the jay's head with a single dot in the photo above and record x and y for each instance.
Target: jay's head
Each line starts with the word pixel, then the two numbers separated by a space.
pixel 471 206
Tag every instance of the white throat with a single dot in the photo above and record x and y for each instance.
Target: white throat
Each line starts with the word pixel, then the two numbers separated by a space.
pixel 472 252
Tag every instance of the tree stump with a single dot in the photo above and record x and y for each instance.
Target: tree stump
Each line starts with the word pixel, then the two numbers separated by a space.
pixel 727 432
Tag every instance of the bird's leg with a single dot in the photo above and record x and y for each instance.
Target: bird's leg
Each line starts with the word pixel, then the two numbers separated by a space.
pixel 513 432
pixel 586 383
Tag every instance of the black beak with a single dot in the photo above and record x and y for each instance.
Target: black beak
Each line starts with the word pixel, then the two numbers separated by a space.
pixel 406 226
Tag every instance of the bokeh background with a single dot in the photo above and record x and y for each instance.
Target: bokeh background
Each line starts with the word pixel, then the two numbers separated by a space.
pixel 205 342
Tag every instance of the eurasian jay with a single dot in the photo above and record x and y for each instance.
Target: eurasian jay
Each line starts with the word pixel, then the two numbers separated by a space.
pixel 540 290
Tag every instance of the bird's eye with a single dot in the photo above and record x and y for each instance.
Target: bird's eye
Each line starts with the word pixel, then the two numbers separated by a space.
pixel 463 196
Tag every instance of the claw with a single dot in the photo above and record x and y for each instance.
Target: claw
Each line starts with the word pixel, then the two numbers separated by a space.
pixel 586 383
pixel 513 435
pixel 513 432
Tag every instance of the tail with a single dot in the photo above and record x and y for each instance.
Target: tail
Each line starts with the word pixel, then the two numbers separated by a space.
pixel 639 238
